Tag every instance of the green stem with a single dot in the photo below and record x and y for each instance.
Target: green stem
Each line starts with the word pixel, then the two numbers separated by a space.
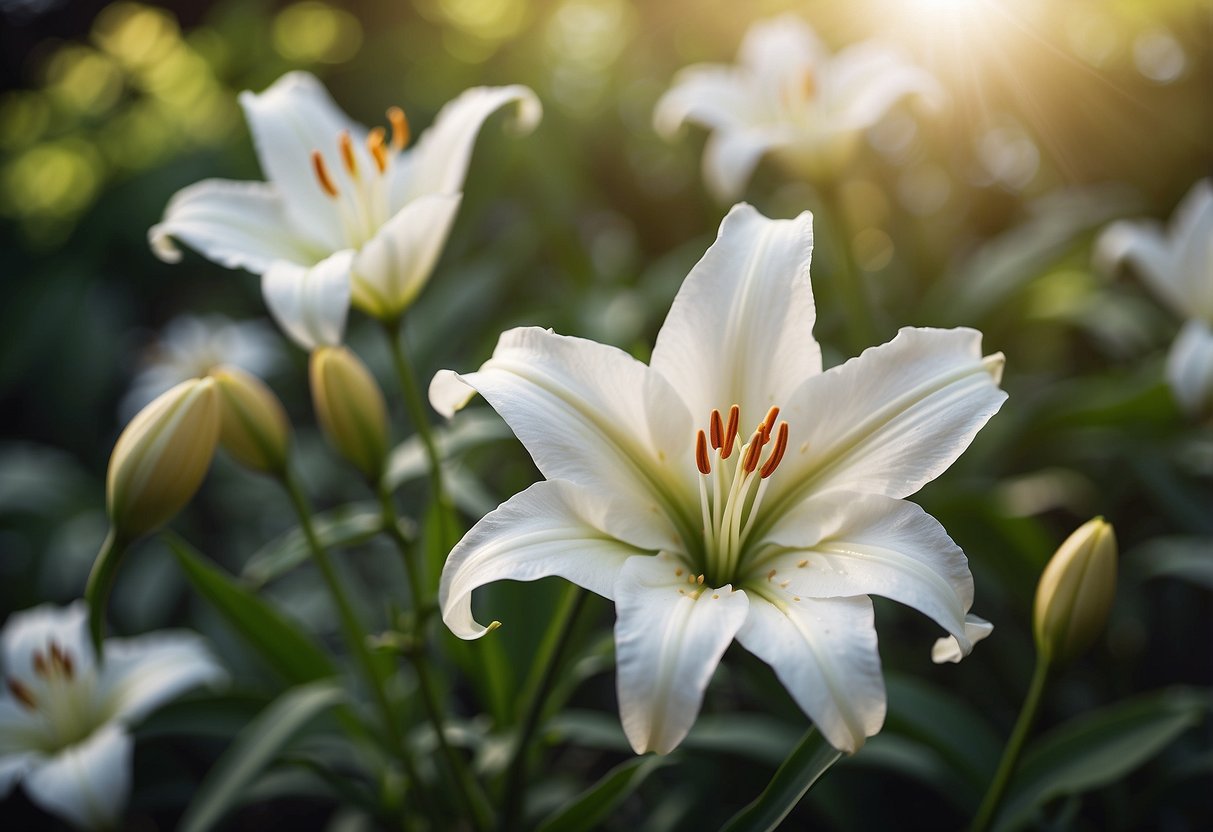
pixel 1010 755
pixel 536 693
pixel 857 305
pixel 355 636
pixel 469 789
pixel 100 582
pixel 421 422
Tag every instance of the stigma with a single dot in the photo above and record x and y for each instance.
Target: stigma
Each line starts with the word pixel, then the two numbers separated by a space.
pixel 733 476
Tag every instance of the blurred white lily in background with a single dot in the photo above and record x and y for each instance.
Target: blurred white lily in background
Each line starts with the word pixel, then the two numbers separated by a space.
pixel 190 346
pixel 347 213
pixel 64 719
pixel 1177 265
pixel 789 97
pixel 771 523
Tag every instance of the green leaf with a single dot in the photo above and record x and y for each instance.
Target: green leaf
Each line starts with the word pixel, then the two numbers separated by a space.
pixel 1099 749
pixel 254 749
pixel 409 461
pixel 1185 558
pixel 283 645
pixel 349 525
pixel 811 759
pixel 596 803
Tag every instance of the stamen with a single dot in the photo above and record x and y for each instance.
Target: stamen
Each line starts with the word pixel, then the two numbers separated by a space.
pixel 781 445
pixel 808 84
pixel 322 174
pixel 701 454
pixel 40 663
pixel 400 128
pixel 375 145
pixel 717 427
pixel 22 694
pixel 730 431
pixel 69 666
pixel 699 580
pixel 753 452
pixel 768 423
pixel 770 575
pixel 346 145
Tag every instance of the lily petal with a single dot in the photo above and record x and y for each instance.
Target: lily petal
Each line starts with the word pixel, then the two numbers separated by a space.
pixel 88 784
pixel 824 652
pixel 239 225
pixel 395 264
pixel 140 674
pixel 847 544
pixel 292 118
pixel 551 528
pixel 34 630
pixel 1192 231
pixel 310 304
pixel 711 95
pixel 21 735
pixel 439 162
pixel 863 81
pixel 1142 243
pixel 730 156
pixel 668 640
pixel 899 415
pixel 740 330
pixel 780 51
pixel 950 649
pixel 587 413
pixel 1190 368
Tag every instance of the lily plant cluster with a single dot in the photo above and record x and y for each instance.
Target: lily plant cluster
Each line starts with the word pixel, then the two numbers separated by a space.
pixel 731 489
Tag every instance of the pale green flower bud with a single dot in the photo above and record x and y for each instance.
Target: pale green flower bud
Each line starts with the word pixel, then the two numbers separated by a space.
pixel 254 427
pixel 161 457
pixel 1075 592
pixel 350 408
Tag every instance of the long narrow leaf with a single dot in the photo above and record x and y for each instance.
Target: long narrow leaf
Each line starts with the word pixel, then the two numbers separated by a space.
pixel 1099 749
pixel 283 645
pixel 592 806
pixel 254 750
pixel 811 759
pixel 345 526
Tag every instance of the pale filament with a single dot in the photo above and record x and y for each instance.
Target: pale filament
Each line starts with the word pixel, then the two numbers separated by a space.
pixel 729 515
pixel 360 191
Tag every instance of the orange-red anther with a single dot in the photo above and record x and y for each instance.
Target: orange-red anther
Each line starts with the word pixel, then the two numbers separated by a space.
pixel 730 431
pixel 701 454
pixel 322 174
pixel 69 667
pixel 40 663
pixel 781 445
pixel 375 145
pixel 22 694
pixel 400 128
pixel 716 423
pixel 809 84
pixel 346 145
pixel 769 423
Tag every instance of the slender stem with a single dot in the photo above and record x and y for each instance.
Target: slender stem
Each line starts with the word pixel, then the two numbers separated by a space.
pixel 857 305
pixel 354 634
pixel 536 693
pixel 417 413
pixel 1010 755
pixel 100 582
pixel 469 789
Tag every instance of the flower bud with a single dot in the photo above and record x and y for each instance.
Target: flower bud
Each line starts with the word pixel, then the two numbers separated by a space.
pixel 161 457
pixel 350 408
pixel 253 426
pixel 1075 592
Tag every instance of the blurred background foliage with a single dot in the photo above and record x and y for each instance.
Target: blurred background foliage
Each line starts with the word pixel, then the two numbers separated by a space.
pixel 1062 116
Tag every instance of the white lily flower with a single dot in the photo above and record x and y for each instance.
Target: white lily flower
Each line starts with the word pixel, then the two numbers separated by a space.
pixel 1177 265
pixel 190 346
pixel 64 718
pixel 771 523
pixel 787 96
pixel 347 213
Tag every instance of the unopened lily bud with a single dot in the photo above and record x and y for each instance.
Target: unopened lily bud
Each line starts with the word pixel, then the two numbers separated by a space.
pixel 161 457
pixel 1075 592
pixel 350 408
pixel 253 424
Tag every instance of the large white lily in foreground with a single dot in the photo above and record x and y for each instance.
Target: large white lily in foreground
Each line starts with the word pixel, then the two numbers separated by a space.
pixel 787 96
pixel 1177 265
pixel 731 489
pixel 347 212
pixel 64 719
